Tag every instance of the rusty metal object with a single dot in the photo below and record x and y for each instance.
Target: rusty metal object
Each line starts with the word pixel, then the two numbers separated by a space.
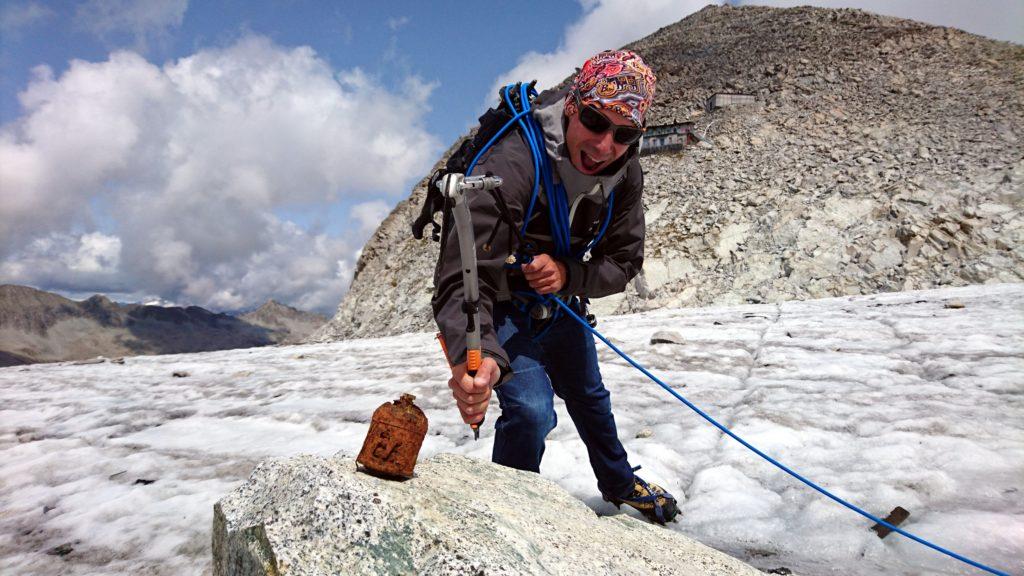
pixel 896 517
pixel 393 442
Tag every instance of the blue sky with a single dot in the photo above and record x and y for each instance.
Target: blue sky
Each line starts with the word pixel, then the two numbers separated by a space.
pixel 439 41
pixel 223 153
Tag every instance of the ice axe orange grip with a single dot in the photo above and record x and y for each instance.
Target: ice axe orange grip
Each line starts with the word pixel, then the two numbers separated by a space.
pixel 473 362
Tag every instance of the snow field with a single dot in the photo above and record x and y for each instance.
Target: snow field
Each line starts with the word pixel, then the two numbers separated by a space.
pixel 887 400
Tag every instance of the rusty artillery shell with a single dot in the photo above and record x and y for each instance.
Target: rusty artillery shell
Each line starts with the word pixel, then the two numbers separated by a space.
pixel 393 442
pixel 896 517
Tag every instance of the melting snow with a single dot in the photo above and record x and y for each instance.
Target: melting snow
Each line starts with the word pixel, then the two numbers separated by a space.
pixel 888 400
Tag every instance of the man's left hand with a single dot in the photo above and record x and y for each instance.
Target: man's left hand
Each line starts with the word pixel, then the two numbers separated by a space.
pixel 545 274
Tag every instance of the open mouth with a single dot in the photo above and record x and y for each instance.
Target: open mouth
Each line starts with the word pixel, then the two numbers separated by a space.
pixel 589 164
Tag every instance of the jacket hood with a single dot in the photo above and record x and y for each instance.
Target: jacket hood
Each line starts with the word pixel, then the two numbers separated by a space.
pixel 549 113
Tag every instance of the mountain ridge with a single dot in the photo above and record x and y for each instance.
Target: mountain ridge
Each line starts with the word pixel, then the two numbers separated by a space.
pixel 289 325
pixel 39 326
pixel 881 154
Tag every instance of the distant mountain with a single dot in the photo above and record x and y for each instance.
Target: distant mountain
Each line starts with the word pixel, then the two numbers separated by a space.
pixel 37 326
pixel 287 325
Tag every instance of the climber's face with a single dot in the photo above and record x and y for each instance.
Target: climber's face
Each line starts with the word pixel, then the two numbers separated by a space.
pixel 594 138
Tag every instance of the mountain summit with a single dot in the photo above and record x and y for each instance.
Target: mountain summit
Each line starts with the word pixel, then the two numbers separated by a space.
pixel 288 325
pixel 879 154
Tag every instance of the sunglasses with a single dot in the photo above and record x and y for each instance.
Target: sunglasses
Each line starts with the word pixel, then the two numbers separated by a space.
pixel 599 123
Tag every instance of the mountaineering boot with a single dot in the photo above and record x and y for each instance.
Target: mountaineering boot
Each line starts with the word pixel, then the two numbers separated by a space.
pixel 653 501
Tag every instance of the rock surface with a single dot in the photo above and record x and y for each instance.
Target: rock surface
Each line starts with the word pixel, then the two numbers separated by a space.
pixel 313 515
pixel 881 155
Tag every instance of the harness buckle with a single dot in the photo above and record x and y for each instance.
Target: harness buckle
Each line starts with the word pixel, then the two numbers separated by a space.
pixel 590 318
pixel 540 311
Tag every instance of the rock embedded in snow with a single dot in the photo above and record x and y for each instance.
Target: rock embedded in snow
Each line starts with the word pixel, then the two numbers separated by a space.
pixel 667 337
pixel 458 515
pixel 62 550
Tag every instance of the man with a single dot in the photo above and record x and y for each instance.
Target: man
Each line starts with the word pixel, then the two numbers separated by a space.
pixel 591 133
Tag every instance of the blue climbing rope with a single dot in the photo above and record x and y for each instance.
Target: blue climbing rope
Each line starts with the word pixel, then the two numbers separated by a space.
pixel 558 213
pixel 543 173
pixel 604 226
pixel 778 464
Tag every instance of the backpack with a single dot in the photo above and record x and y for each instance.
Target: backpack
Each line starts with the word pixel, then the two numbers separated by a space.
pixel 491 123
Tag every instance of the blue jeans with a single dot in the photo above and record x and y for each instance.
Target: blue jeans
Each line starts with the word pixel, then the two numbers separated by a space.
pixel 561 360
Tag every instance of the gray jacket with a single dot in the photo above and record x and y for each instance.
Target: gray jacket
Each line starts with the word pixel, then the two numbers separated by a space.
pixel 613 262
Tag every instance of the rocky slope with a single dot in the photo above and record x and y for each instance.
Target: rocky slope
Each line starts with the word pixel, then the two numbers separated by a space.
pixel 287 325
pixel 881 154
pixel 37 326
pixel 313 515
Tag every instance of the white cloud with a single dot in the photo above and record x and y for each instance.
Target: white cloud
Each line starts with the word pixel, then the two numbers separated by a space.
pixel 310 272
pixel 153 301
pixel 395 23
pixel 16 16
pixel 65 261
pixel 370 215
pixel 192 159
pixel 97 252
pixel 605 24
pixel 143 21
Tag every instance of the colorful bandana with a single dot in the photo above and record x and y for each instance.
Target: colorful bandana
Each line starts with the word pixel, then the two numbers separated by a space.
pixel 615 80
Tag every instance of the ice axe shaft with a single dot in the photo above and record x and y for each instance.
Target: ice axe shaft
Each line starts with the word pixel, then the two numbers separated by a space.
pixel 454 187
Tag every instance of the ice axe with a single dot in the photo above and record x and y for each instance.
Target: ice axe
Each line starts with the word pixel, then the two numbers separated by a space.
pixel 454 187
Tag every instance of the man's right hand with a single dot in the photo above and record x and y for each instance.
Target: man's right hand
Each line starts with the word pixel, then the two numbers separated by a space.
pixel 472 394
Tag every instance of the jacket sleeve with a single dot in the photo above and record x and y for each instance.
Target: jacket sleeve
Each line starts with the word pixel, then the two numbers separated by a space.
pixel 619 256
pixel 508 160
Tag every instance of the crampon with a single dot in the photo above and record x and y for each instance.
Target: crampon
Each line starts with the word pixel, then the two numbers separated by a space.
pixel 653 501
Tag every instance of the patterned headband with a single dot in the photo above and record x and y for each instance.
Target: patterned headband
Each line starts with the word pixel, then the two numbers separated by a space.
pixel 615 80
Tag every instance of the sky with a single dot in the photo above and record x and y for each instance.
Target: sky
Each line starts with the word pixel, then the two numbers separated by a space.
pixel 223 153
